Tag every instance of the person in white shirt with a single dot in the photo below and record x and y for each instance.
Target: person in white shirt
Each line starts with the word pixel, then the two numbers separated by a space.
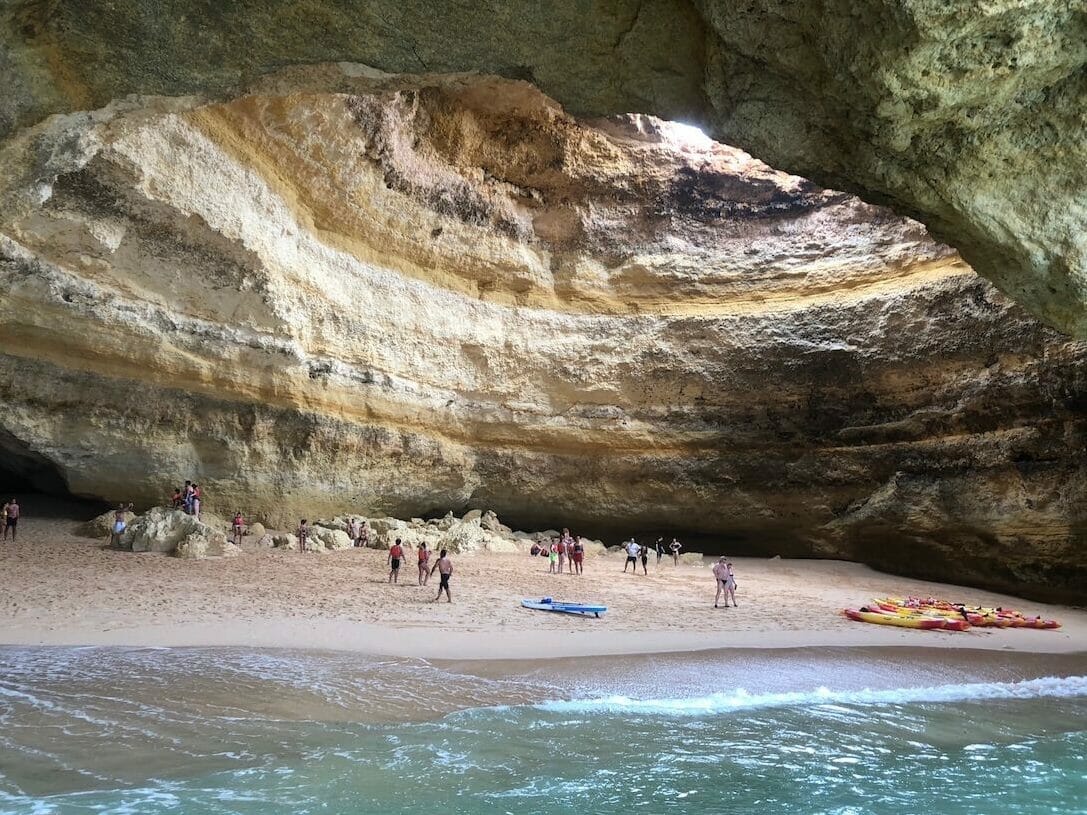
pixel 633 549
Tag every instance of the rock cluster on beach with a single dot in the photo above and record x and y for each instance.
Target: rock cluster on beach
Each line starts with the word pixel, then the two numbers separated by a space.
pixel 412 293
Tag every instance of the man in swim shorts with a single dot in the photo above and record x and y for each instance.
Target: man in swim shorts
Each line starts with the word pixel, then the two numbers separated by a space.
pixel 445 571
pixel 720 574
pixel 633 549
pixel 396 554
pixel 11 518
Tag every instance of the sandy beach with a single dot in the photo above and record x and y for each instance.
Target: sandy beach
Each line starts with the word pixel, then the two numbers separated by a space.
pixel 62 589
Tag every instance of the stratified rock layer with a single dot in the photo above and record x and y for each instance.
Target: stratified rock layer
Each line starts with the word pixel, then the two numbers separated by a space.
pixel 402 295
pixel 967 116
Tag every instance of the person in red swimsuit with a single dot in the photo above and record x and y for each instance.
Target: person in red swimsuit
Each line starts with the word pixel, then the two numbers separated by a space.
pixel 424 563
pixel 11 518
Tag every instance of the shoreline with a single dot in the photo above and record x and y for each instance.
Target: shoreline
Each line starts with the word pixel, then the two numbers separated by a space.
pixel 345 636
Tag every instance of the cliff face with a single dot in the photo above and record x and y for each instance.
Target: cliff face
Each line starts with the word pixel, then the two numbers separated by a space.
pixel 408 294
pixel 968 117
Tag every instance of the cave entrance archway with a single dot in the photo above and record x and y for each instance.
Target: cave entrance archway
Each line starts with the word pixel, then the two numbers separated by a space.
pixel 23 469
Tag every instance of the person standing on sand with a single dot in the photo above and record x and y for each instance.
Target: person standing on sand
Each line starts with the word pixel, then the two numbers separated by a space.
pixel 560 547
pixel 237 527
pixel 424 563
pixel 445 569
pixel 353 531
pixel 11 518
pixel 396 554
pixel 119 525
pixel 659 547
pixel 633 549
pixel 720 574
pixel 553 557
pixel 364 535
pixel 730 583
pixel 645 561
pixel 675 546
pixel 577 555
pixel 303 535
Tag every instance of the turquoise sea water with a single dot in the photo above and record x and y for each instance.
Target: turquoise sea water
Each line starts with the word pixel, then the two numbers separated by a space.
pixel 205 731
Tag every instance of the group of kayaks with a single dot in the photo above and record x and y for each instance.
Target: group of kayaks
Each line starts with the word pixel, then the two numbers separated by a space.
pixel 941 615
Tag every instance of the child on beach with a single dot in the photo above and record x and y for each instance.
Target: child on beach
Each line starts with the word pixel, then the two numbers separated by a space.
pixel 553 558
pixel 445 570
pixel 177 499
pixel 424 562
pixel 238 528
pixel 396 554
pixel 303 534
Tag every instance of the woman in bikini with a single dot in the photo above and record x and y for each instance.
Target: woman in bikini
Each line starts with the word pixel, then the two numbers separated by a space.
pixel 424 561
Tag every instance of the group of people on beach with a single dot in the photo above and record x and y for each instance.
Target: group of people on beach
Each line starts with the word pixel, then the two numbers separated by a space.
pixel 443 566
pixel 636 551
pixel 10 516
pixel 188 499
pixel 359 533
pixel 563 552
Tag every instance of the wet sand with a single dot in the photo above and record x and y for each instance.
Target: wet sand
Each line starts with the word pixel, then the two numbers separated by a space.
pixel 61 589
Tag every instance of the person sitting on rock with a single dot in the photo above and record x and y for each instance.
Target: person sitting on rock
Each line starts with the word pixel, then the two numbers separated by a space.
pixel 186 497
pixel 177 498
pixel 303 535
pixel 238 527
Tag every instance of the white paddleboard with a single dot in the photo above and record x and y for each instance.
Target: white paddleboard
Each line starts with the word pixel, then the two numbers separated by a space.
pixel 583 609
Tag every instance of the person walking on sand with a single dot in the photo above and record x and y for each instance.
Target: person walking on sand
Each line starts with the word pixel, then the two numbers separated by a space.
pixel 396 554
pixel 424 563
pixel 303 535
pixel 237 528
pixel 445 570
pixel 674 547
pixel 645 560
pixel 633 549
pixel 577 555
pixel 730 583
pixel 720 574
pixel 11 518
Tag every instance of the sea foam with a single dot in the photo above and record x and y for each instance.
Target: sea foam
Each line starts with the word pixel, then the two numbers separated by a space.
pixel 1046 687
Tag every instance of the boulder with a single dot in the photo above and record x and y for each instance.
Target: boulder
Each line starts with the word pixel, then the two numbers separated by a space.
pixel 381 526
pixel 593 548
pixel 102 526
pixel 339 522
pixel 472 516
pixel 490 522
pixel 282 540
pixel 257 530
pixel 322 537
pixel 198 546
pixel 691 559
pixel 266 541
pixel 161 530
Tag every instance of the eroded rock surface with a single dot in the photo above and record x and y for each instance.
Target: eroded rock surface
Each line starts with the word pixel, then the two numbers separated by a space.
pixel 406 294
pixel 967 116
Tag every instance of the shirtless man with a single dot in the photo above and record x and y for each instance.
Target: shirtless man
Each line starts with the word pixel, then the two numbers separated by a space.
pixel 364 535
pixel 11 518
pixel 720 574
pixel 633 549
pixel 445 570
pixel 396 554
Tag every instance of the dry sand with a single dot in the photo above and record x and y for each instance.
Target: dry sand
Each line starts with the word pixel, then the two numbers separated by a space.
pixel 60 589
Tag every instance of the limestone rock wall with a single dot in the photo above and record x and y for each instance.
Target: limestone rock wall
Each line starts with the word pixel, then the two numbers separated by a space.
pixel 966 116
pixel 347 291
